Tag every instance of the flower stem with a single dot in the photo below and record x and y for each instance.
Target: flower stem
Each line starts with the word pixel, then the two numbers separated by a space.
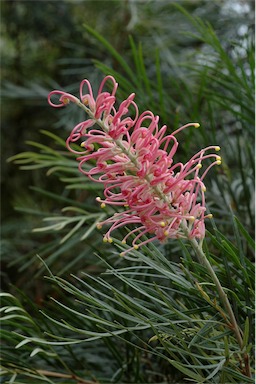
pixel 223 297
pixel 205 262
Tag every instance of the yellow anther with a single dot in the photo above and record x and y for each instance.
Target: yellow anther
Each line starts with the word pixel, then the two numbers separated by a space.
pixel 105 240
pixel 162 224
pixel 123 242
pixel 65 100
pixel 203 188
pixel 191 218
pixel 135 246
pixel 166 233
pixel 196 125
pixel 98 226
pixel 98 199
pixel 103 205
pixel 199 166
pixel 82 144
pixel 210 216
pixel 218 162
pixel 110 240
pixel 217 148
pixel 218 158
pixel 121 254
pixel 85 101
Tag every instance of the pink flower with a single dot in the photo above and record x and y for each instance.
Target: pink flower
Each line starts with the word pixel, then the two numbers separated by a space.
pixel 134 162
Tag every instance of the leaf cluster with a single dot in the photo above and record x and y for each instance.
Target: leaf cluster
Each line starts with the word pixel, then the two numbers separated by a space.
pixel 145 311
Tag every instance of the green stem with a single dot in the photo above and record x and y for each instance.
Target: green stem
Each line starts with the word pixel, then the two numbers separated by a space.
pixel 205 262
pixel 223 297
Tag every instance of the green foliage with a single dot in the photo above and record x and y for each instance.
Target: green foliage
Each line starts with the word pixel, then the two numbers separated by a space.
pixel 154 315
pixel 156 309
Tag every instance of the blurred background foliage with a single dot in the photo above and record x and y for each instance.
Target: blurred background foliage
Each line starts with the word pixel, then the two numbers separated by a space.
pixel 185 60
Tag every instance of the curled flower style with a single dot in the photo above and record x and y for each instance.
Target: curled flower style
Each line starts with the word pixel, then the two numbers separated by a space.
pixel 133 159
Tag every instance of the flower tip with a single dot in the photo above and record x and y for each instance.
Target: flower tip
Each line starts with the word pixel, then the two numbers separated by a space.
pixel 196 125
pixel 65 100
pixel 98 199
pixel 85 101
pixel 218 158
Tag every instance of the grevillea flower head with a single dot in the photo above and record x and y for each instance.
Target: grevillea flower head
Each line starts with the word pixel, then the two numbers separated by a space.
pixel 133 160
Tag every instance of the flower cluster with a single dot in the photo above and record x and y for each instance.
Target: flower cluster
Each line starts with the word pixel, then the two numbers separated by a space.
pixel 133 159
